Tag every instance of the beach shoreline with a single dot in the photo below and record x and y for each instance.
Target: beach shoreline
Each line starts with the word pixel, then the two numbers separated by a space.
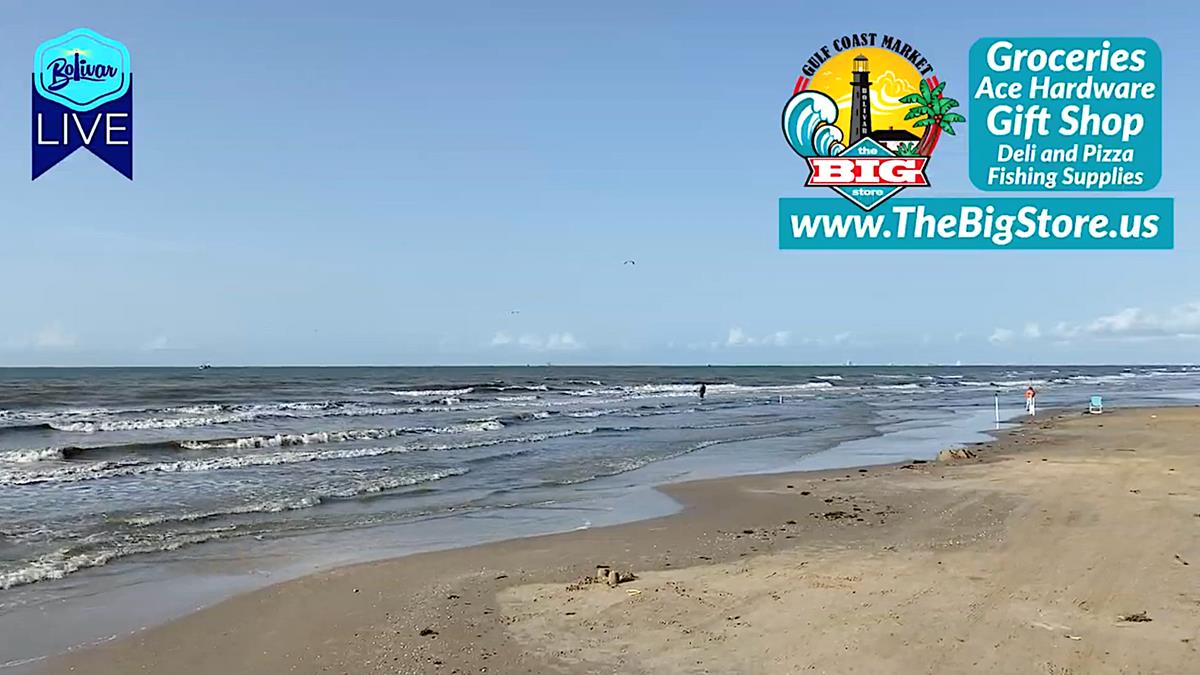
pixel 115 601
pixel 478 608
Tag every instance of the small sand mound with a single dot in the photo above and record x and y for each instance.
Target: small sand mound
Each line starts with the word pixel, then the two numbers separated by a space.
pixel 953 454
pixel 604 575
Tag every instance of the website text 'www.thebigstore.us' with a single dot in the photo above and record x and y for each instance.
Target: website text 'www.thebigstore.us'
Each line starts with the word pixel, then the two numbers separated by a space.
pixel 950 223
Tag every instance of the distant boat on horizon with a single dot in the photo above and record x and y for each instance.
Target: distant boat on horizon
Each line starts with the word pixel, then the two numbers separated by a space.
pixel 205 366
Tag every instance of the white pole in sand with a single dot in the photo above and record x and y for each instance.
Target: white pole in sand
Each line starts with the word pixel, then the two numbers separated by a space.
pixel 997 397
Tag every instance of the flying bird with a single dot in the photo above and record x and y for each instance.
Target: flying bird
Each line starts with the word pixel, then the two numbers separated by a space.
pixel 629 262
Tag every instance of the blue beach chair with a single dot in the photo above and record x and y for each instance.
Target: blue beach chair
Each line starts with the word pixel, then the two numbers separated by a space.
pixel 1096 406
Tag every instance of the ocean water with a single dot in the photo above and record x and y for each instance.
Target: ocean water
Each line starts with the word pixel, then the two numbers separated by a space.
pixel 106 471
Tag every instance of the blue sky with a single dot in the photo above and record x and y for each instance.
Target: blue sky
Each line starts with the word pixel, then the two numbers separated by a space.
pixel 369 182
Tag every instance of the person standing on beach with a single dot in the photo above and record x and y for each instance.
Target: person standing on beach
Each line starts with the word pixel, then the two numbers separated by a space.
pixel 1030 405
pixel 703 390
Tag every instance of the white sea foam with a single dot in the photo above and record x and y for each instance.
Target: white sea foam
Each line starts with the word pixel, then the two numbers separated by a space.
pixel 198 409
pixel 591 392
pixel 226 415
pixel 295 503
pixel 26 456
pixel 26 416
pixel 66 560
pixel 662 389
pixel 276 506
pixel 30 455
pixel 599 412
pixel 642 391
pixel 116 469
pixel 112 469
pixel 432 393
pixel 1002 383
pixel 286 440
pixel 752 389
pixel 323 437
pixel 89 427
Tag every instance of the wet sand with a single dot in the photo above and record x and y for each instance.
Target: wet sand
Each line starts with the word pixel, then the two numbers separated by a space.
pixel 1023 558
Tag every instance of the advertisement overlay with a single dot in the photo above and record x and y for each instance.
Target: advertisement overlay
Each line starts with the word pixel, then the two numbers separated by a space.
pixel 82 98
pixel 1044 115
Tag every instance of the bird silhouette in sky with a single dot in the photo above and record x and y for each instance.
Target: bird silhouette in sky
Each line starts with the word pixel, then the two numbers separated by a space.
pixel 629 262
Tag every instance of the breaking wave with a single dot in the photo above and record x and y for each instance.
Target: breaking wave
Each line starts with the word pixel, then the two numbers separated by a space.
pixel 93 552
pixel 71 473
pixel 28 456
pixel 432 393
pixel 64 561
pixel 324 437
pixel 295 503
pixel 204 416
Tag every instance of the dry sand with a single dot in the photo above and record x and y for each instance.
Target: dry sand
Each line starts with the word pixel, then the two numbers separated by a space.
pixel 1021 559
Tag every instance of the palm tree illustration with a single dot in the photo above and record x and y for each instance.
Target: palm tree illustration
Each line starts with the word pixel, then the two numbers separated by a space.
pixel 936 109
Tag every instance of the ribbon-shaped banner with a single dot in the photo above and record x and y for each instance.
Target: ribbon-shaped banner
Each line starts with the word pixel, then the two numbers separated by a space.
pixel 82 98
pixel 106 130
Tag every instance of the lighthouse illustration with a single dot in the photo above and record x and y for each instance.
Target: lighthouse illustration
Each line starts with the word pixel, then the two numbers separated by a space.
pixel 860 101
pixel 860 112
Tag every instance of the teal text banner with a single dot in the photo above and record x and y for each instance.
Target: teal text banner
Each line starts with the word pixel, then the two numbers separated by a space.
pixel 951 223
pixel 1065 114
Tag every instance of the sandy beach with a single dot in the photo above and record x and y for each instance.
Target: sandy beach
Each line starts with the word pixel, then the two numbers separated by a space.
pixel 1069 545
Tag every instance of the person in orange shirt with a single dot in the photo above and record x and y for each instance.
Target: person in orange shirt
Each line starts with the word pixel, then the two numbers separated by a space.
pixel 1030 395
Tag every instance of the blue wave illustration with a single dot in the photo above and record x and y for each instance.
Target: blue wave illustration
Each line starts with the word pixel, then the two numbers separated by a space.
pixel 808 121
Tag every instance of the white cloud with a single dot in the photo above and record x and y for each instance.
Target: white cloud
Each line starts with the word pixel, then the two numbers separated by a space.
pixel 1000 336
pixel 738 338
pixel 562 342
pixel 50 337
pixel 1180 321
pixel 53 337
pixel 1064 331
pixel 553 342
pixel 1132 323
pixel 156 344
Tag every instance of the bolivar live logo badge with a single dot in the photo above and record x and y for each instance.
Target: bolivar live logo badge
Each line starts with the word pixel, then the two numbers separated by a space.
pixel 896 113
pixel 82 97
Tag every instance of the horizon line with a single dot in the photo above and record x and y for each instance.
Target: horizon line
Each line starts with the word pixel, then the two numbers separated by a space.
pixel 610 365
